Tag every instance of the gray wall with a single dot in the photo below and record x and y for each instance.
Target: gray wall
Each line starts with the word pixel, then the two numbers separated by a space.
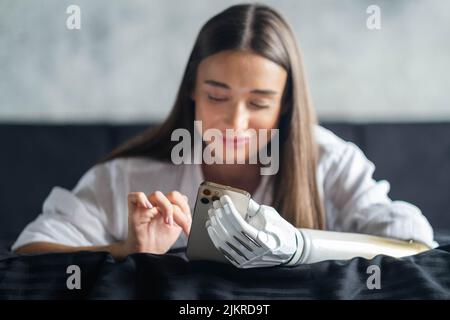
pixel 126 62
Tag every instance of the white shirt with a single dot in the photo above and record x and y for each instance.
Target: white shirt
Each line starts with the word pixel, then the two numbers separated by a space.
pixel 95 211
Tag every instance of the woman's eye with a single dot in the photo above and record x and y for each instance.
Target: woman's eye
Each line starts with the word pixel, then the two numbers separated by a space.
pixel 259 105
pixel 217 99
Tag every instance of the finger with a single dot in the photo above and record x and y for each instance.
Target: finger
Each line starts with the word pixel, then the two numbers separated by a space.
pixel 253 208
pixel 182 219
pixel 138 199
pixel 232 240
pixel 219 244
pixel 252 248
pixel 143 220
pixel 150 213
pixel 143 216
pixel 225 238
pixel 216 204
pixel 235 218
pixel 180 200
pixel 159 199
pixel 247 232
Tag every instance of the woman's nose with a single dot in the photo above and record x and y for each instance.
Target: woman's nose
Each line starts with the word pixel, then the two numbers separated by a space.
pixel 238 117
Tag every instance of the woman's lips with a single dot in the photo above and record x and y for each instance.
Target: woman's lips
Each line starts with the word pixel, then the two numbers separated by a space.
pixel 236 141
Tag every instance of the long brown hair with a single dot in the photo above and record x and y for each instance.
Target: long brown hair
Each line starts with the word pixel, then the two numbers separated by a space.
pixel 261 30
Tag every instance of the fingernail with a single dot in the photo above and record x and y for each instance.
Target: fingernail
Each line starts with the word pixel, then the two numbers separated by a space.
pixel 171 220
pixel 149 205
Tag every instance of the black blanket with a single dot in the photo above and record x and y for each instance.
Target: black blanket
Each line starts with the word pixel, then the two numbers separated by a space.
pixel 171 276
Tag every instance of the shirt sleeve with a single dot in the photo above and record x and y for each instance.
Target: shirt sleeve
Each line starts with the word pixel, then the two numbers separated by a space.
pixel 362 204
pixel 80 217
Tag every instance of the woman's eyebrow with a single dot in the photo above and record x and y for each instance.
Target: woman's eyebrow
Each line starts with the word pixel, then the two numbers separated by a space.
pixel 266 91
pixel 215 83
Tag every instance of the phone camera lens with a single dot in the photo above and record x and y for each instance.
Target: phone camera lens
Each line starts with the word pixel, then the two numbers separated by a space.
pixel 204 200
pixel 214 198
pixel 206 192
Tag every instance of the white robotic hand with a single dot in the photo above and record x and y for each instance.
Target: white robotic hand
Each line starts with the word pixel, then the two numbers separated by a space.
pixel 261 239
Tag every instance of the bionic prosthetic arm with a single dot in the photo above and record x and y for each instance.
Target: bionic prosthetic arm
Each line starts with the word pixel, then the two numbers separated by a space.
pixel 262 238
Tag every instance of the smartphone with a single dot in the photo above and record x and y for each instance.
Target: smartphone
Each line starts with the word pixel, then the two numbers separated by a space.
pixel 200 246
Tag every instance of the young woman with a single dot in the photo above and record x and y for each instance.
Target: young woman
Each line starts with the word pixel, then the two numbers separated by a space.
pixel 244 73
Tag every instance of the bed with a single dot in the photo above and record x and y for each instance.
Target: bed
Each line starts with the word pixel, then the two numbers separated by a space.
pixel 171 276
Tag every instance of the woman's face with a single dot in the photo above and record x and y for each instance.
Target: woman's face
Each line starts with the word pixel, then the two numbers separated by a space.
pixel 239 91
